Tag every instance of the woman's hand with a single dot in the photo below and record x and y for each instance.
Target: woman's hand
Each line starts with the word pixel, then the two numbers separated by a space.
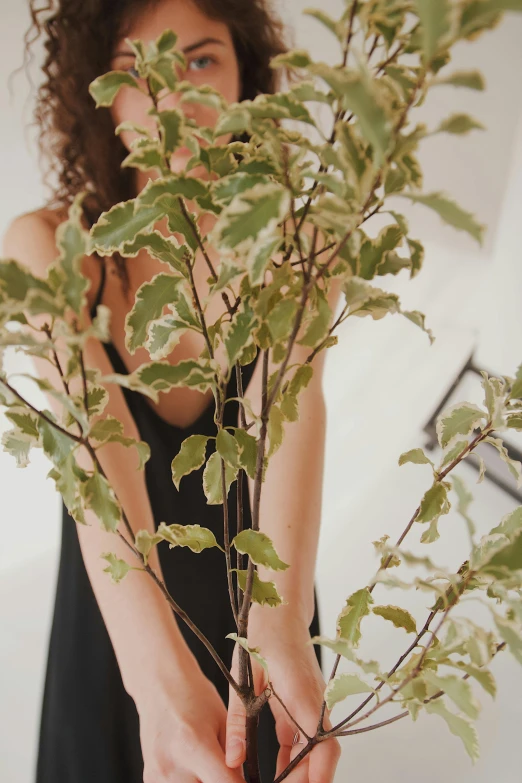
pixel 182 732
pixel 297 679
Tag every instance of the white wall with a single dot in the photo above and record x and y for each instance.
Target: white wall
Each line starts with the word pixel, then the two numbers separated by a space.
pixel 382 383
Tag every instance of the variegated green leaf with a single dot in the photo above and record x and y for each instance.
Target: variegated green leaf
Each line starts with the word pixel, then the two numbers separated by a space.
pixel 349 621
pixel 253 651
pixel 191 456
pixel 401 618
pixel 417 456
pixel 319 326
pixel 247 451
pixel 122 224
pixel 281 319
pixel 459 124
pixel 514 466
pixel 238 333
pixel 435 502
pixel 228 448
pixel 162 376
pixel 431 533
pixel 99 496
pixel 144 543
pixel 461 727
pixel 454 450
pixel 342 686
pixel 195 537
pixel 73 243
pixel 511 633
pixel 145 157
pixel 296 58
pixel 151 298
pixel 449 212
pixel 25 421
pixel 259 548
pixel 360 95
pixel 510 524
pixel 172 126
pixel 105 88
pixel 250 217
pixel 473 80
pixel 458 419
pixel 117 568
pixel 509 557
pixel 212 479
pixel 458 690
pixel 264 593
pixel 435 19
pixel 342 647
pixel 275 429
pixel 56 445
pixel 482 675
pixel 235 119
pixel 18 445
pixel 516 388
pixel 164 334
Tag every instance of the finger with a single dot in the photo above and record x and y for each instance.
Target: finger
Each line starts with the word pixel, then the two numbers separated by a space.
pixel 236 721
pixel 285 730
pixel 283 759
pixel 300 773
pixel 323 761
pixel 213 767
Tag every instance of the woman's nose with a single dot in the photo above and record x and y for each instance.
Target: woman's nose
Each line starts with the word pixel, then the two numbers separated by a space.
pixel 173 100
pixel 169 100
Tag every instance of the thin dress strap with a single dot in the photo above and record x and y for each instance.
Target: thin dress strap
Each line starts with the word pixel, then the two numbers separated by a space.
pixel 99 295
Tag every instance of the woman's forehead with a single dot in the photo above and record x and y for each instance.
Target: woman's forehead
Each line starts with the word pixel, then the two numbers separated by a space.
pixel 188 21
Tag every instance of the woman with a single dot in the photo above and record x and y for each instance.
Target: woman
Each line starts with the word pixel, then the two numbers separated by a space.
pixel 130 694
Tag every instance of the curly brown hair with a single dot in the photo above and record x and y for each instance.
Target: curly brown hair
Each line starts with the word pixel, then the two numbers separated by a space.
pixel 76 140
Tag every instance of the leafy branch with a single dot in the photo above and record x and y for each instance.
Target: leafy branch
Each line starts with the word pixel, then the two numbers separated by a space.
pixel 286 242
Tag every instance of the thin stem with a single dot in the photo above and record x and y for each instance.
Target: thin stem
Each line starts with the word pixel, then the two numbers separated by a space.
pixel 374 46
pixel 405 714
pixel 350 33
pixel 227 540
pixel 179 611
pixel 380 725
pixel 288 182
pixel 197 237
pixel 283 705
pixel 406 681
pixel 41 414
pixel 483 434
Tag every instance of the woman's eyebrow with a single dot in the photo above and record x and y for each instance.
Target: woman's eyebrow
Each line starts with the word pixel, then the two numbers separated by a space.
pixel 185 50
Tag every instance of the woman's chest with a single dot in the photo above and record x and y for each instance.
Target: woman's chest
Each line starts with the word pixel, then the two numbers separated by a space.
pixel 181 406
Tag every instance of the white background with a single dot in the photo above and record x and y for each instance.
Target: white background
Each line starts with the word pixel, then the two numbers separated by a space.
pixel 382 382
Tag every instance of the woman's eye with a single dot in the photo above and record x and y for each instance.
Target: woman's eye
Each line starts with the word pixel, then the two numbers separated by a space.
pixel 200 63
pixel 133 72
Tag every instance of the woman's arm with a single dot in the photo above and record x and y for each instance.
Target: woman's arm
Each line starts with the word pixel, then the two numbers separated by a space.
pixel 291 495
pixel 147 641
pixel 290 514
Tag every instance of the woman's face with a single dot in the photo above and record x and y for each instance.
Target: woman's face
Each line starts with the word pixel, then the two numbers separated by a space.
pixel 211 59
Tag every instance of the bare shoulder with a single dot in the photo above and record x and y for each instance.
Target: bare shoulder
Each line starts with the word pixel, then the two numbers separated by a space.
pixel 30 239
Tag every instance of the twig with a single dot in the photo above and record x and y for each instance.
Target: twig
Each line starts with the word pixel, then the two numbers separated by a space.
pixel 41 414
pixel 283 705
pixel 179 611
